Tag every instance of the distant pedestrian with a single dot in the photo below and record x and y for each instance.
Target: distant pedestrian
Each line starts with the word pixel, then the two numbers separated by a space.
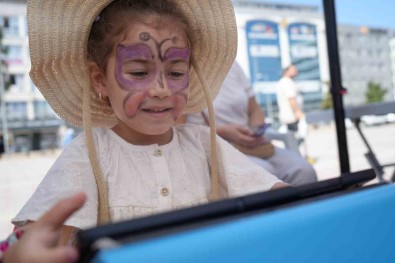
pixel 290 105
pixel 289 100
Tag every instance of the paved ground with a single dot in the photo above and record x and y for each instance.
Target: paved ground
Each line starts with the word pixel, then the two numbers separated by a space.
pixel 20 174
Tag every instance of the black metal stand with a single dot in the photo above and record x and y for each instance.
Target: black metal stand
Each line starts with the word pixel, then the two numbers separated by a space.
pixel 371 157
pixel 336 84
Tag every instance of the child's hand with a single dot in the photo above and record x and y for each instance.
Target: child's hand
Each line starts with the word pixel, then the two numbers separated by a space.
pixel 39 242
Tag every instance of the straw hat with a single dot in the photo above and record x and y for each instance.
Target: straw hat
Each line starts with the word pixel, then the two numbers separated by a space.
pixel 58 35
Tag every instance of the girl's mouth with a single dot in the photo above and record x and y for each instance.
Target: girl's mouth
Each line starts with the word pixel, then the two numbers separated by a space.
pixel 158 111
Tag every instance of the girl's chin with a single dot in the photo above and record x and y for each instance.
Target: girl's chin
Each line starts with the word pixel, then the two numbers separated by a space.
pixel 151 130
pixel 156 131
pixel 152 127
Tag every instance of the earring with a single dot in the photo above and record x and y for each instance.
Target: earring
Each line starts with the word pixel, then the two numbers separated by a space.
pixel 100 96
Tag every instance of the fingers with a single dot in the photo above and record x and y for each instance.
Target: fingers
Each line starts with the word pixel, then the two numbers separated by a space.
pixel 56 216
pixel 247 141
pixel 245 130
pixel 280 185
pixel 32 249
pixel 243 136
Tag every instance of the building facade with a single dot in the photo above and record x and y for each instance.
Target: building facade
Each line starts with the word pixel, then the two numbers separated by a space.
pixel 392 49
pixel 365 56
pixel 30 122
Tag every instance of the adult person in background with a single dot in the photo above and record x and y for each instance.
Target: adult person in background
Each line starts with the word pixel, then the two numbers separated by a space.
pixel 236 112
pixel 289 99
pixel 290 104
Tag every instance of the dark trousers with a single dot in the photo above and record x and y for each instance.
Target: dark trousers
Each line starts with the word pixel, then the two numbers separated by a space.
pixel 293 126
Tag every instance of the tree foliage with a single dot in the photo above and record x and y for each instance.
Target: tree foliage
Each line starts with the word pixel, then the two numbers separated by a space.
pixel 327 102
pixel 375 93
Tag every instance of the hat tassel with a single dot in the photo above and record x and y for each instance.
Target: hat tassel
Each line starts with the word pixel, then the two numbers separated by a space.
pixel 103 209
pixel 213 142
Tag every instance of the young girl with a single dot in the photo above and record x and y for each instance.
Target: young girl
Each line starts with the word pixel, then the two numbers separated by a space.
pixel 126 70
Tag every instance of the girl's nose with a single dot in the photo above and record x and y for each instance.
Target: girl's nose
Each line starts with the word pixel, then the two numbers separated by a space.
pixel 160 88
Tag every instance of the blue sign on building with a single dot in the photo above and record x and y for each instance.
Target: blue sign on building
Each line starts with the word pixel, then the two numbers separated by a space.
pixel 264 56
pixel 304 55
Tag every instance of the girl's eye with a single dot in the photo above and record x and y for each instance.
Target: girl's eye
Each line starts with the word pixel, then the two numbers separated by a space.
pixel 139 74
pixel 176 75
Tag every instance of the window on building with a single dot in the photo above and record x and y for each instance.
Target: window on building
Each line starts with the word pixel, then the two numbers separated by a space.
pixel 10 26
pixel 42 110
pixel 363 38
pixel 14 54
pixel 16 111
pixel 6 22
pixel 348 36
pixel 12 79
pixel 16 82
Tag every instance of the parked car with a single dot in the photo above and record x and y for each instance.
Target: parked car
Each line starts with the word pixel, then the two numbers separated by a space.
pixel 371 120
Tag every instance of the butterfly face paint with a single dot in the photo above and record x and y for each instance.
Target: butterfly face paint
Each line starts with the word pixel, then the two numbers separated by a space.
pixel 147 78
pixel 151 65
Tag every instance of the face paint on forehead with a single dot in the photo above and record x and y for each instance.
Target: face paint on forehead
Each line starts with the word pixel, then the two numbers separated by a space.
pixel 145 36
pixel 144 53
pixel 138 51
pixel 177 53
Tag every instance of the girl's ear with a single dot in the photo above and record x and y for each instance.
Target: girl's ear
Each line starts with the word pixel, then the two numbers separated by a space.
pixel 98 79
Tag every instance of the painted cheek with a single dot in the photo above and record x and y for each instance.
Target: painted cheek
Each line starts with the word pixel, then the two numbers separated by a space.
pixel 178 85
pixel 132 102
pixel 180 101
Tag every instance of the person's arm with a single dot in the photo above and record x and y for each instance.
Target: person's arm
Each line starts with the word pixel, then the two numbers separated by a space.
pixel 233 133
pixel 256 116
pixel 295 107
pixel 279 185
pixel 40 240
pixel 239 135
pixel 243 135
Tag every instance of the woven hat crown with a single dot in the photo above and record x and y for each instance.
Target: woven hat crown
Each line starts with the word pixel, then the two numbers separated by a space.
pixel 58 36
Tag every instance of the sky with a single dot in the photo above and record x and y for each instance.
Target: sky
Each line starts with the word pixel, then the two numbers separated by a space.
pixel 371 13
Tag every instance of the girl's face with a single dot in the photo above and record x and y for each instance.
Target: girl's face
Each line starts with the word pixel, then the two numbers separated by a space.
pixel 147 78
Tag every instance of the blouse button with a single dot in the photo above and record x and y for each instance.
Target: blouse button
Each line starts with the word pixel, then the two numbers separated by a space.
pixel 158 152
pixel 164 191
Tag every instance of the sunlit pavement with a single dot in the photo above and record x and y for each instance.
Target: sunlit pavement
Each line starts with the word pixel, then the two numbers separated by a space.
pixel 322 145
pixel 21 173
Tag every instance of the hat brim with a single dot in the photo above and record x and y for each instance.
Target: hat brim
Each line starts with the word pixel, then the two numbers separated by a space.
pixel 58 36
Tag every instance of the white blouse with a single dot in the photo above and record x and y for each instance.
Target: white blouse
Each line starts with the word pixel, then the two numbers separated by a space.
pixel 143 180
